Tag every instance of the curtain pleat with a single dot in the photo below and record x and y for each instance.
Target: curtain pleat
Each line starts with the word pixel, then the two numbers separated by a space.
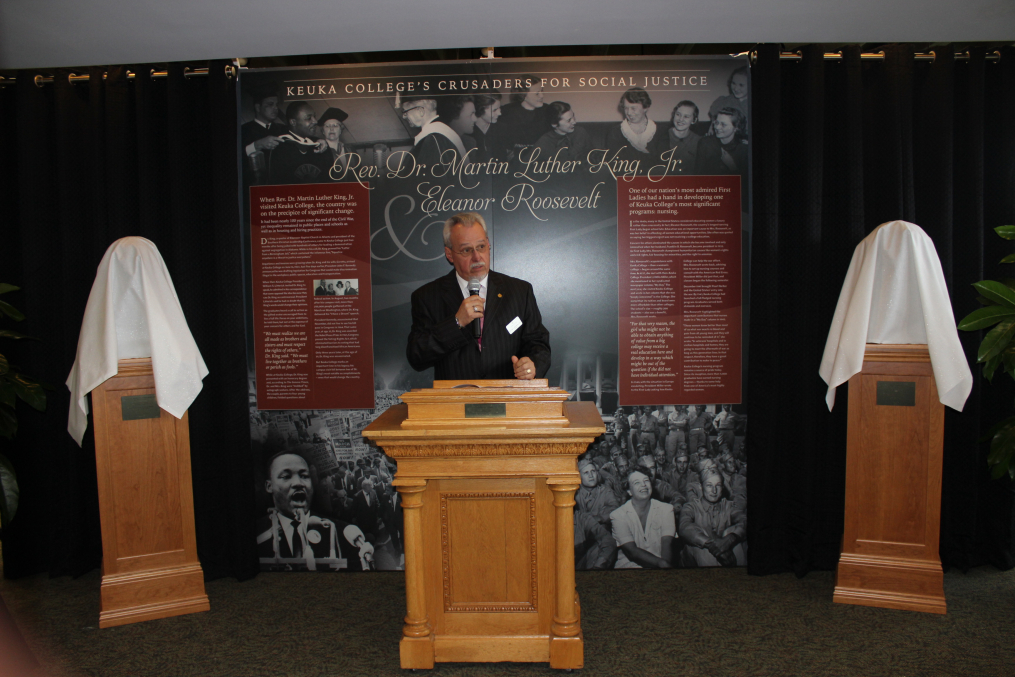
pixel 962 472
pixel 765 536
pixel 225 461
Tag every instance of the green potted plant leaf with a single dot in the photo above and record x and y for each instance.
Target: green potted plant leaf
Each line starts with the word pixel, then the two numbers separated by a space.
pixel 997 350
pixel 14 385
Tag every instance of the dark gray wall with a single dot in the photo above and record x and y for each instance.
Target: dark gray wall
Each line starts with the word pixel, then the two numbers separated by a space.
pixel 47 33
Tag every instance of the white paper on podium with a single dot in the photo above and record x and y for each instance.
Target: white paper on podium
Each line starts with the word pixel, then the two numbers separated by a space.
pixel 133 311
pixel 895 292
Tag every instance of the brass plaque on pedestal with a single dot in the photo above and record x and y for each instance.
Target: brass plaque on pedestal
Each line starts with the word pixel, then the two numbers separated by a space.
pixel 896 394
pixel 139 407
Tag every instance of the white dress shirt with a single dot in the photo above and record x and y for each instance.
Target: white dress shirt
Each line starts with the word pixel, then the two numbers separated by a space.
pixel 464 284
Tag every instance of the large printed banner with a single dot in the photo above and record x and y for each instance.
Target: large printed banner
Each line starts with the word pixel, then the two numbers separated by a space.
pixel 619 188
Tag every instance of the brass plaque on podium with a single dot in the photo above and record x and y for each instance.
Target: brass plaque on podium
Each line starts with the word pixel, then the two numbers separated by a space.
pixel 485 410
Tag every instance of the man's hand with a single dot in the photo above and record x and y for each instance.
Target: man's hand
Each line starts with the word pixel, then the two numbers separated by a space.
pixel 321 146
pixel 712 547
pixel 470 309
pixel 723 544
pixel 524 368
pixel 267 143
pixel 727 559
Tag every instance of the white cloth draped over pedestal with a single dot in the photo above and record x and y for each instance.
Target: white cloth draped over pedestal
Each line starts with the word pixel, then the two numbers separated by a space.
pixel 895 292
pixel 133 311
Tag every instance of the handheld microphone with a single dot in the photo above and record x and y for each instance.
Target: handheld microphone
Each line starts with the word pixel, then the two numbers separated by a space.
pixel 474 288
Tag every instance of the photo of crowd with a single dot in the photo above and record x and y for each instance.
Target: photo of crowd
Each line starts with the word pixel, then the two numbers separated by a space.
pixel 664 487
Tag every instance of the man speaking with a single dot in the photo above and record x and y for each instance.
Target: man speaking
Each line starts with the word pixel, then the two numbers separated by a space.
pixel 474 323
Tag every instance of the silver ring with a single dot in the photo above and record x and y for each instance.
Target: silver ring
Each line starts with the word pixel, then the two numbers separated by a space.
pixel 528 371
pixel 475 309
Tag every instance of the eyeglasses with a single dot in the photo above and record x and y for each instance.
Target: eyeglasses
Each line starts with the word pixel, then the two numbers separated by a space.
pixel 405 113
pixel 467 251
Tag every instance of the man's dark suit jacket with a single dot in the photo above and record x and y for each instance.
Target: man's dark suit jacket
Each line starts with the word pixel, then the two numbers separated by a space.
pixel 431 147
pixel 292 162
pixel 367 514
pixel 251 131
pixel 436 340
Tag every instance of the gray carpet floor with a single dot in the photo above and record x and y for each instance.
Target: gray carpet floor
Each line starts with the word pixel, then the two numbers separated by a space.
pixel 709 622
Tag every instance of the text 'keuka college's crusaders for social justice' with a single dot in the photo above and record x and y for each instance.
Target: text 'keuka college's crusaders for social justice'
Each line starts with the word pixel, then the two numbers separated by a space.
pixel 471 85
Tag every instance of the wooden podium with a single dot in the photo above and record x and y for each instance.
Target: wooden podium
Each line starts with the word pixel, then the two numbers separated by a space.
pixel 487 477
pixel 149 551
pixel 895 437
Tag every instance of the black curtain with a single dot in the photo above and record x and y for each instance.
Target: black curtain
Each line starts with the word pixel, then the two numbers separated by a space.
pixel 839 148
pixel 83 165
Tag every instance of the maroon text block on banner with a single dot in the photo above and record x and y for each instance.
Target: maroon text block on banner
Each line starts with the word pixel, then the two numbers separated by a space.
pixel 310 270
pixel 679 250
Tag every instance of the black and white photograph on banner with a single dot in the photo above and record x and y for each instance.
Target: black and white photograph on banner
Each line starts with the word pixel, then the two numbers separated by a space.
pixel 696 501
pixel 549 154
pixel 320 477
pixel 336 287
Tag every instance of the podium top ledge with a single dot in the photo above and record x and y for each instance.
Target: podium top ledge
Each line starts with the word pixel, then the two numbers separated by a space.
pixel 486 391
pixel 896 352
pixel 581 421
pixel 490 383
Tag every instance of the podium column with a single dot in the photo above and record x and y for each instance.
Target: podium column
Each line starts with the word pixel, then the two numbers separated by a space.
pixel 416 648
pixel 566 646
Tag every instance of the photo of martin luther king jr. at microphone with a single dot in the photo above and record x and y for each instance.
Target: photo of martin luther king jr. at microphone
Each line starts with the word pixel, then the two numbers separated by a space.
pixel 291 537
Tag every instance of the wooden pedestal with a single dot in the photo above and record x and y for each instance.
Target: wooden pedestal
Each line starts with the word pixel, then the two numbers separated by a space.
pixel 489 536
pixel 893 484
pixel 149 552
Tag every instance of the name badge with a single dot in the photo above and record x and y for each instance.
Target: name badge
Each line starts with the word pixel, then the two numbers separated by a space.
pixel 513 325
